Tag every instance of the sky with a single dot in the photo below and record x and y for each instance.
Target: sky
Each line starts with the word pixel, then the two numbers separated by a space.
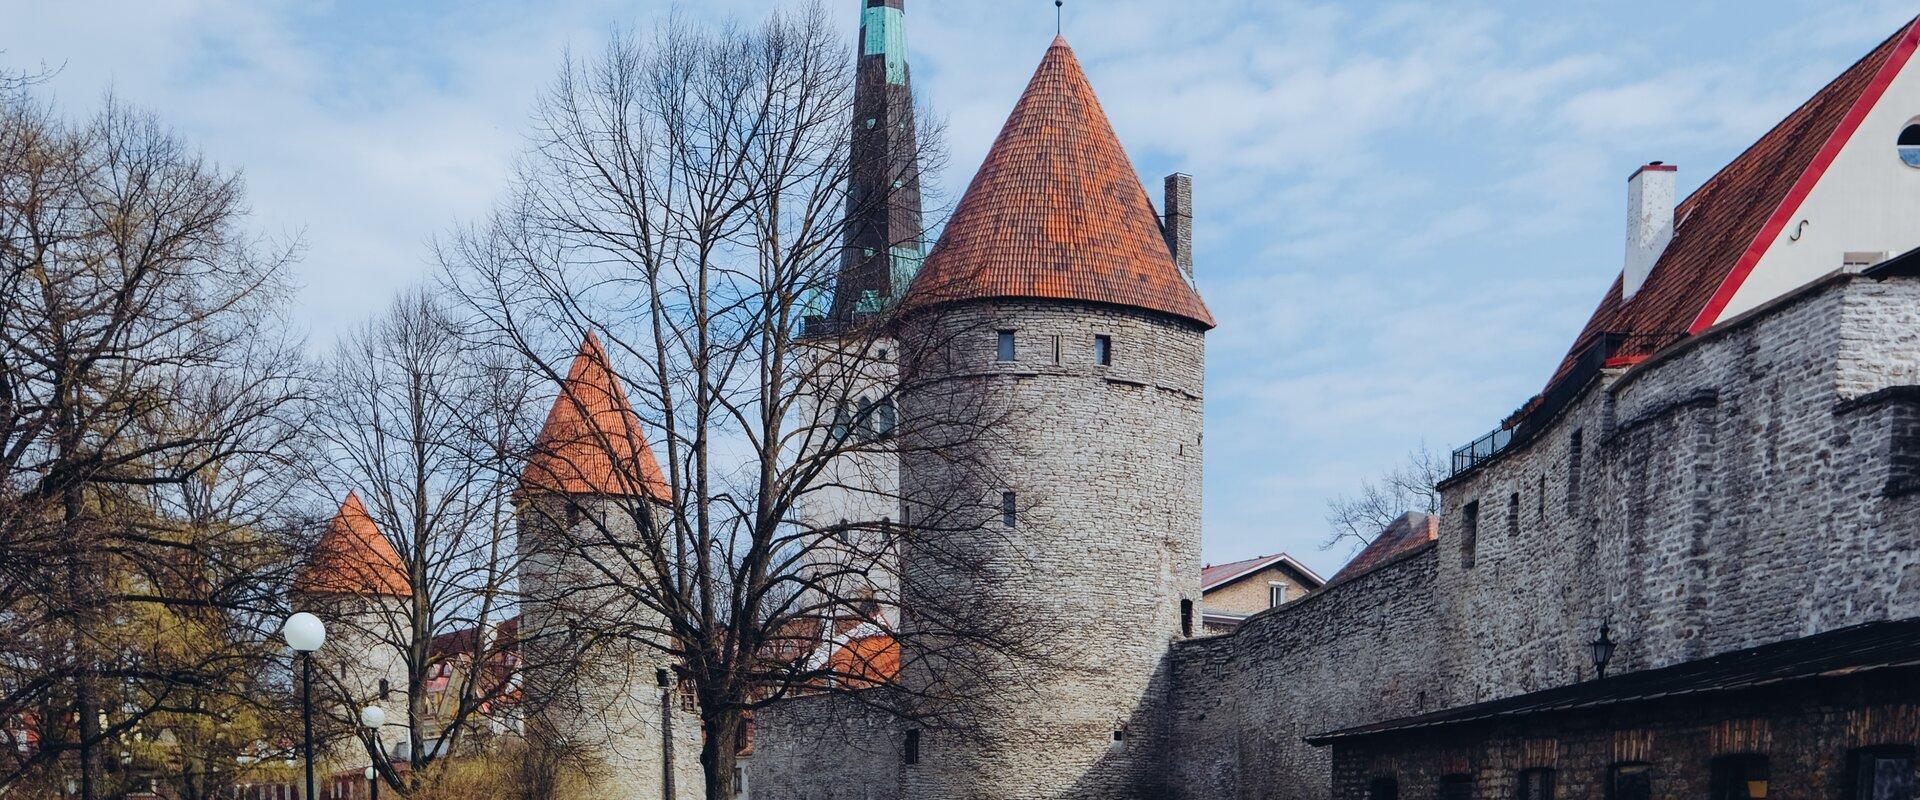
pixel 1404 210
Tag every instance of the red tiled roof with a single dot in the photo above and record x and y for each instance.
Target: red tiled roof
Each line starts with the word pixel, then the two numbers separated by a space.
pixel 866 661
pixel 1410 532
pixel 1057 212
pixel 1215 575
pixel 353 558
pixel 593 443
pixel 1724 227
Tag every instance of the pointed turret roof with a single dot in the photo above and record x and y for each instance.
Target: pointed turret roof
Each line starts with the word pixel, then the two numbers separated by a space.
pixel 1057 212
pixel 353 558
pixel 592 443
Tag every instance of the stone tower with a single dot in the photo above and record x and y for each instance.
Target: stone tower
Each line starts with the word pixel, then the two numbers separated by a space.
pixel 1053 308
pixel 591 488
pixel 357 584
pixel 883 201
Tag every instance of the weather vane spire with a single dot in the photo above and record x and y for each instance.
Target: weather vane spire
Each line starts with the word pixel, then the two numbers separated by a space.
pixel 1057 4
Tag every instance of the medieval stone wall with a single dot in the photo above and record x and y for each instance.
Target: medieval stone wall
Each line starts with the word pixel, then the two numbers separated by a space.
pixel 1356 651
pixel 826 747
pixel 1752 486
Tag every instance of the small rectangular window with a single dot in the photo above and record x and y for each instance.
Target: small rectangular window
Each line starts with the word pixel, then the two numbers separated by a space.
pixel 1103 350
pixel 1630 781
pixel 1006 346
pixel 1739 777
pixel 1186 617
pixel 1056 349
pixel 1513 514
pixel 1535 784
pixel 1469 533
pixel 1540 501
pixel 1008 508
pixel 1881 773
pixel 1276 594
pixel 910 753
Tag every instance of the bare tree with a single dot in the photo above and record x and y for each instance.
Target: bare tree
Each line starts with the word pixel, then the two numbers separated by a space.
pixel 416 419
pixel 686 202
pixel 1354 520
pixel 147 395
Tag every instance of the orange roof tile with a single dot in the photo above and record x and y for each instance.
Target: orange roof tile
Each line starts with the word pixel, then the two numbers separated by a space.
pixel 1057 212
pixel 1724 227
pixel 592 443
pixel 866 661
pixel 353 558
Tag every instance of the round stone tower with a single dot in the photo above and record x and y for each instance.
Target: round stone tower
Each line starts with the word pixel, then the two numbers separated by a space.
pixel 356 582
pixel 1051 425
pixel 590 487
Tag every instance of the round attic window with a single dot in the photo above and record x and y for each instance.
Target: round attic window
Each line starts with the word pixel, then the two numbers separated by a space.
pixel 1909 145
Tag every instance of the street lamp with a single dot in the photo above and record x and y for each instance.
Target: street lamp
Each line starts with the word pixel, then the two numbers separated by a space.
pixel 1602 650
pixel 371 718
pixel 305 633
pixel 664 677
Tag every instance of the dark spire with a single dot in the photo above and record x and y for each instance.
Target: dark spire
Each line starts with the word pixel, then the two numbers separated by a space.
pixel 883 206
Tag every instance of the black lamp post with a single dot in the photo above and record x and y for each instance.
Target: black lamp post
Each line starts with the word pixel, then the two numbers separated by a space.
pixel 664 677
pixel 305 633
pixel 1602 650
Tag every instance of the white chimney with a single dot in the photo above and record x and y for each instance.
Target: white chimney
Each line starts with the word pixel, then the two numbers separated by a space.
pixel 1649 223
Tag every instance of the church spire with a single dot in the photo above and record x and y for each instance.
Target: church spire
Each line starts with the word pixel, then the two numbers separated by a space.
pixel 883 204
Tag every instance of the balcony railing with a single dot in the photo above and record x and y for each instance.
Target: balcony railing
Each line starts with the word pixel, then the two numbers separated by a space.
pixel 1557 397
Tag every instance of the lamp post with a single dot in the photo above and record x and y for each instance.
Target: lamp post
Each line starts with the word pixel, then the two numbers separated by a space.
pixel 662 676
pixel 1602 650
pixel 371 718
pixel 305 633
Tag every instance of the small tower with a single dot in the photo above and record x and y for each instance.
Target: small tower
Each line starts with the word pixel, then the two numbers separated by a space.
pixel 883 200
pixel 1058 310
pixel 590 490
pixel 356 582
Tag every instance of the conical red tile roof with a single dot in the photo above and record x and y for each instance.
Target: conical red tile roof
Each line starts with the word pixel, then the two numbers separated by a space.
pixel 353 558
pixel 592 443
pixel 1057 212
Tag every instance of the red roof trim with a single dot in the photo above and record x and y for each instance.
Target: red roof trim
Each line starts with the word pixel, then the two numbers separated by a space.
pixel 1654 168
pixel 1783 213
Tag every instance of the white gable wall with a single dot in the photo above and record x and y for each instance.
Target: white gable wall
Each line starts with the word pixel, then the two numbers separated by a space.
pixel 1868 201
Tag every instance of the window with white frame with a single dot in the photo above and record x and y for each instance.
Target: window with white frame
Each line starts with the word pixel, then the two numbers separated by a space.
pixel 1276 594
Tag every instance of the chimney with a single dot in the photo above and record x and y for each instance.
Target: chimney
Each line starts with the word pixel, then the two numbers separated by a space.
pixel 1649 223
pixel 1178 226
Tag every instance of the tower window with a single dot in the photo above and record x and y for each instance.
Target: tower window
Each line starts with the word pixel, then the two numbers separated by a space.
pixel 1006 352
pixel 1103 350
pixel 910 752
pixel 1573 471
pixel 1276 594
pixel 1513 514
pixel 1056 349
pixel 1186 617
pixel 385 688
pixel 1008 508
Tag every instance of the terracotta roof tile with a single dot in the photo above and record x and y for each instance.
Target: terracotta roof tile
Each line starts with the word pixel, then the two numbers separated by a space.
pixel 1410 532
pixel 353 558
pixel 866 661
pixel 593 443
pixel 1057 212
pixel 1724 224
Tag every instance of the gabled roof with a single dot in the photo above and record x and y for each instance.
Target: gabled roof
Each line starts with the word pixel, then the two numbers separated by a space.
pixel 353 558
pixel 1057 212
pixel 1410 532
pixel 1725 226
pixel 593 443
pixel 1860 649
pixel 1215 576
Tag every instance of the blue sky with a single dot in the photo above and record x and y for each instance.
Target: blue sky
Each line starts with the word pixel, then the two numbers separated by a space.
pixel 1405 210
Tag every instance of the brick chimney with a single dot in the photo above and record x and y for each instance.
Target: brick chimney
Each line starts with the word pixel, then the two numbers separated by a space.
pixel 1178 226
pixel 1649 223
